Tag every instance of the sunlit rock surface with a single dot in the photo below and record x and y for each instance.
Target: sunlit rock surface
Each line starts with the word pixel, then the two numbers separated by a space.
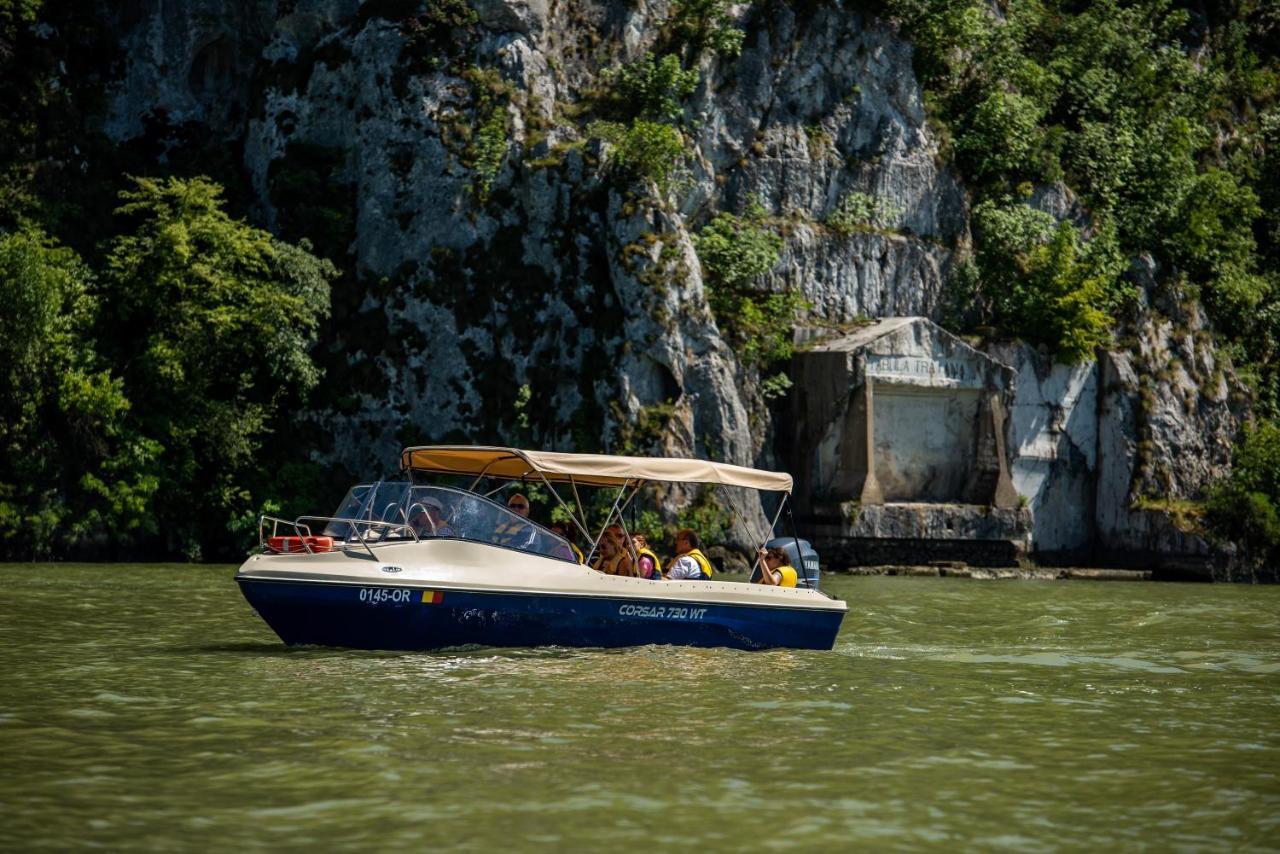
pixel 545 274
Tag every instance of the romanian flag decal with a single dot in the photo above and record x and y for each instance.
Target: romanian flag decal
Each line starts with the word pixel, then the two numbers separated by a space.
pixel 432 597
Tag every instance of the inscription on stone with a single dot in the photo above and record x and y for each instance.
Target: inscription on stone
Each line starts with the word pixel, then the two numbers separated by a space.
pixel 921 370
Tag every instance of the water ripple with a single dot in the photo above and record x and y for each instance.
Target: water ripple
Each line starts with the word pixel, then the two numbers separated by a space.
pixel 148 707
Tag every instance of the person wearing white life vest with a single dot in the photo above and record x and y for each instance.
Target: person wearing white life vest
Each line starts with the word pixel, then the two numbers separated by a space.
pixel 690 564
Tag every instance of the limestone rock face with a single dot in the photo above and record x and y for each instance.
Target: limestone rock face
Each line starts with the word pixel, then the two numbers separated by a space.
pixel 1170 411
pixel 863 275
pixel 1101 445
pixel 1054 437
pixel 512 287
pixel 542 272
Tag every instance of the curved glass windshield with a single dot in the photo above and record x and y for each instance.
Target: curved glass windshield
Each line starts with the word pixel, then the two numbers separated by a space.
pixel 397 511
pixel 379 505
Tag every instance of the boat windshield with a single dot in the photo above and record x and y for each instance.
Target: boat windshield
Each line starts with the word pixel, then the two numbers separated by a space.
pixel 383 501
pixel 388 511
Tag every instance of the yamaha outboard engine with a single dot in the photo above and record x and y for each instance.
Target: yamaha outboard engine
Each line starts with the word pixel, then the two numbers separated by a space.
pixel 805 560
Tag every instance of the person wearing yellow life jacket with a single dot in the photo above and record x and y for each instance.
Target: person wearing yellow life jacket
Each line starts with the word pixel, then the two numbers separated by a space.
pixel 646 561
pixel 776 569
pixel 613 559
pixel 690 564
pixel 512 530
pixel 565 531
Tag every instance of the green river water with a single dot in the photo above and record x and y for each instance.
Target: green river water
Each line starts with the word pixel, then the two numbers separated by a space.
pixel 147 706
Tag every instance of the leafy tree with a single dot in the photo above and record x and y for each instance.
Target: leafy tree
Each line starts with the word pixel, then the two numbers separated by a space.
pixel 701 25
pixel 1215 225
pixel 486 151
pixel 71 473
pixel 1243 507
pixel 1001 135
pixel 220 317
pixel 735 251
pixel 1040 280
pixel 1162 145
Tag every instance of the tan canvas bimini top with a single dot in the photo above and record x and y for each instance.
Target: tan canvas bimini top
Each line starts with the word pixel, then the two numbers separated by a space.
pixel 584 469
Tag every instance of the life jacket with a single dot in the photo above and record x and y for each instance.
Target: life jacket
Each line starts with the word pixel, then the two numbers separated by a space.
pixel 657 564
pixel 611 566
pixel 577 552
pixel 788 576
pixel 507 531
pixel 701 560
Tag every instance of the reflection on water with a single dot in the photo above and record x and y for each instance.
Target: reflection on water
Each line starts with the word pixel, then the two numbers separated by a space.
pixel 148 706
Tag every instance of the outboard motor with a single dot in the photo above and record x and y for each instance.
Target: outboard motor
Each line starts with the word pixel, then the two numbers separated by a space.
pixel 805 560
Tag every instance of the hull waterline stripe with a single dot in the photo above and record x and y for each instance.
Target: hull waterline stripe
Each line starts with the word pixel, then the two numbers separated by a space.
pixel 507 592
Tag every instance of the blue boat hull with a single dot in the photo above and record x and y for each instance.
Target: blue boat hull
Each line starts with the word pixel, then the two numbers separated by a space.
pixel 406 618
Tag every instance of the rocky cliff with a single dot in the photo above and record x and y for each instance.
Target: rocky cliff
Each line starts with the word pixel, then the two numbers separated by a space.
pixel 476 271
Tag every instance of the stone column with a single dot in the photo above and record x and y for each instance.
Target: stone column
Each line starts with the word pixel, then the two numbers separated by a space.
pixel 1005 496
pixel 871 493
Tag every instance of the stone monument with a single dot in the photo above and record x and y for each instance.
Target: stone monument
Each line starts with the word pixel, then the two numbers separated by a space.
pixel 900 446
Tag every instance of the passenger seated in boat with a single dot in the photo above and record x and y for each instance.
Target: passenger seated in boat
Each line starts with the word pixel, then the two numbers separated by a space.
pixel 776 568
pixel 613 559
pixel 690 563
pixel 626 543
pixel 511 530
pixel 647 563
pixel 565 530
pixel 427 519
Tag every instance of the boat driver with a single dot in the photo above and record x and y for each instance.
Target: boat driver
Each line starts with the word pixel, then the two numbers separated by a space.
pixel 428 519
pixel 511 530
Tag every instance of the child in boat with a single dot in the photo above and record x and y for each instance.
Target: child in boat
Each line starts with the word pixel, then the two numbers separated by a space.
pixel 636 548
pixel 776 568
pixel 613 559
pixel 647 562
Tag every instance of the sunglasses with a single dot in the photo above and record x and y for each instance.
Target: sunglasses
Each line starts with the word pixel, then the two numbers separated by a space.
pixel 518 505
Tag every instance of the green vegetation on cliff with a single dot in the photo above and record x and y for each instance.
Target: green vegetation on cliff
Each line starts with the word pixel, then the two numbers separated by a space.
pixel 1159 115
pixel 1245 507
pixel 149 355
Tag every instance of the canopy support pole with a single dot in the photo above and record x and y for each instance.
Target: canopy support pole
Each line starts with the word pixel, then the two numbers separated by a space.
pixel 772 526
pixel 622 522
pixel 484 471
pixel 734 507
pixel 608 520
pixel 795 538
pixel 562 504
pixel 582 510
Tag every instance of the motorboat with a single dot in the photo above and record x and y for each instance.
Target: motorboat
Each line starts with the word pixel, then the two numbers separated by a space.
pixel 416 564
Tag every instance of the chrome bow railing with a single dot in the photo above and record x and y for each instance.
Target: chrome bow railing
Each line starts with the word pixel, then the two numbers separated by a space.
pixel 302 530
